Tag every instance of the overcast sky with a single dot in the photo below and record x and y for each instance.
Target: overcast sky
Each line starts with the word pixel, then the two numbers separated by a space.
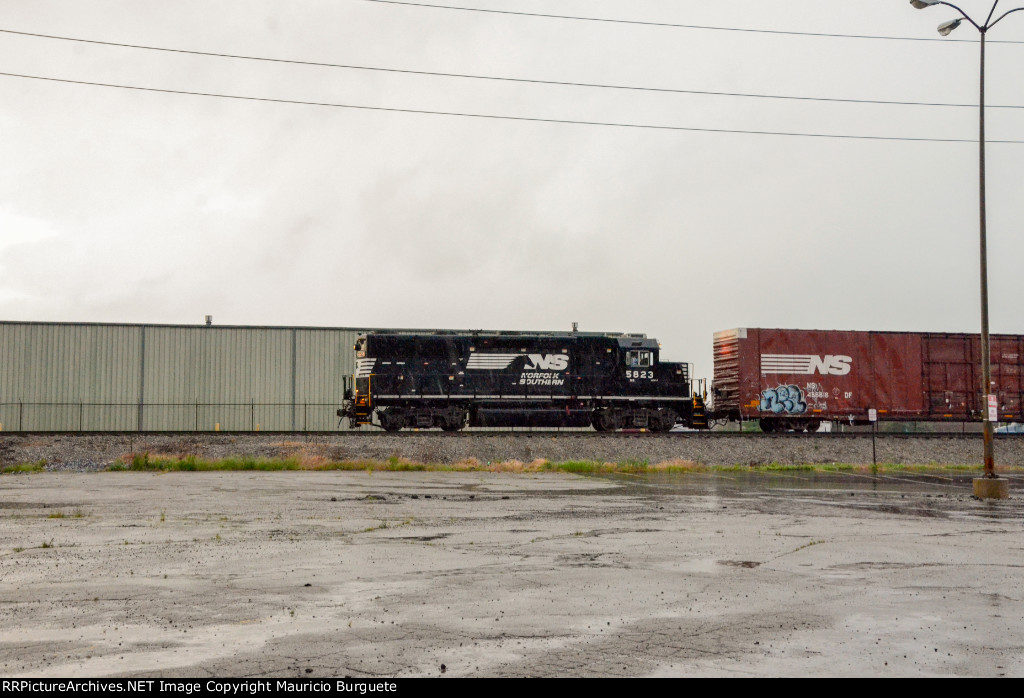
pixel 131 206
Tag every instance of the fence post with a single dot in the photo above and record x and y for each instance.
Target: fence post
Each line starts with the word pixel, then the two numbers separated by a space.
pixel 81 409
pixel 252 414
pixel 305 414
pixel 21 412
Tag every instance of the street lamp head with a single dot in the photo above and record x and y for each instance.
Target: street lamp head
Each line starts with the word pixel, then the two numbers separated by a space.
pixel 921 4
pixel 946 27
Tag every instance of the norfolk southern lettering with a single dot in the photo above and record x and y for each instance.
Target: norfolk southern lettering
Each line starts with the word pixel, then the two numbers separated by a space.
pixel 541 379
pixel 544 362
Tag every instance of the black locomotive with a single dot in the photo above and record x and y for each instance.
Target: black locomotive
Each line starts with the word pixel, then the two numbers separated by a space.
pixel 501 379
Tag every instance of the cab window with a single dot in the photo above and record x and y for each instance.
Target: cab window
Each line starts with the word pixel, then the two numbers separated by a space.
pixel 638 359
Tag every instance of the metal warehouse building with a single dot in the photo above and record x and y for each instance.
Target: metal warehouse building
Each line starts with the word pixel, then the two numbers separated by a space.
pixel 120 377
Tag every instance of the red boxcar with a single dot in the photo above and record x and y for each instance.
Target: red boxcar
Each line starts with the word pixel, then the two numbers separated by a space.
pixel 794 379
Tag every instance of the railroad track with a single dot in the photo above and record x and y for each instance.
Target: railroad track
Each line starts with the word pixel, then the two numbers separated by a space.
pixel 409 434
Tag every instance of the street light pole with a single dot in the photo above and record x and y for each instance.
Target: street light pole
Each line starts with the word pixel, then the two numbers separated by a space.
pixel 986 356
pixel 986 359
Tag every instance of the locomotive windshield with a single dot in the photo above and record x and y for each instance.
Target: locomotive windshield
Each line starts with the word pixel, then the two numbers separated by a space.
pixel 638 359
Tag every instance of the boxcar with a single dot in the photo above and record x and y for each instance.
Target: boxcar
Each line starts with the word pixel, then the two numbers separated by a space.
pixel 502 379
pixel 794 379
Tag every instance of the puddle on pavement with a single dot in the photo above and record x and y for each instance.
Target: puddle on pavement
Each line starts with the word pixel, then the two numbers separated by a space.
pixel 932 494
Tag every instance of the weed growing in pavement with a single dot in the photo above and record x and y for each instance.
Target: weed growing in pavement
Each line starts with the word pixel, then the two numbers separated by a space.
pixel 384 524
pixel 76 514
pixel 807 545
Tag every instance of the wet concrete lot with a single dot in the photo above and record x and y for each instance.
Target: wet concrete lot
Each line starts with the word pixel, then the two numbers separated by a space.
pixel 396 574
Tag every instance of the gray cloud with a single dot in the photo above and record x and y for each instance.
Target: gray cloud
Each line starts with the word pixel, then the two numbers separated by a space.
pixel 164 208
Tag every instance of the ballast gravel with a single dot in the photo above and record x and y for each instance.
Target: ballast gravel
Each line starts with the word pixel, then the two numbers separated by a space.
pixel 88 452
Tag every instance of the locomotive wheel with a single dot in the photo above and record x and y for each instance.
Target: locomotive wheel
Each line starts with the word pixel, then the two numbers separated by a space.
pixel 448 426
pixel 454 420
pixel 606 421
pixel 662 420
pixel 391 422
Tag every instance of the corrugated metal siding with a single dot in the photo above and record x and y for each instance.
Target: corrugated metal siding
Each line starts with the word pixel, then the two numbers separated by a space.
pixel 323 359
pixel 68 377
pixel 96 377
pixel 201 377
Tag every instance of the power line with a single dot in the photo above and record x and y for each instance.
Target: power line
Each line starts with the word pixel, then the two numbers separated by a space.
pixel 684 26
pixel 504 117
pixel 498 78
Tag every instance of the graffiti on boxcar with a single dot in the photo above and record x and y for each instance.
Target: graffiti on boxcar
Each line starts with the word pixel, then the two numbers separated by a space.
pixel 783 398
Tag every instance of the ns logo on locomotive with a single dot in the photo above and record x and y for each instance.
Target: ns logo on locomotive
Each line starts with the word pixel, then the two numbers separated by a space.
pixel 495 379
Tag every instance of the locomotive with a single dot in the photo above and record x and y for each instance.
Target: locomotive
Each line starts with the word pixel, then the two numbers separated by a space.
pixel 508 379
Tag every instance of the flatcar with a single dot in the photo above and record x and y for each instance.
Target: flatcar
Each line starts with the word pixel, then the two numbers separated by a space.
pixel 795 379
pixel 507 379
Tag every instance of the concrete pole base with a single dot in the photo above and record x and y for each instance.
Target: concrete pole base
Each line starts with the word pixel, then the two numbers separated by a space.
pixel 991 488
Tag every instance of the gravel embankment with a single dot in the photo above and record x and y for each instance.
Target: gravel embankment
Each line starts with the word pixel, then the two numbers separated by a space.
pixel 72 452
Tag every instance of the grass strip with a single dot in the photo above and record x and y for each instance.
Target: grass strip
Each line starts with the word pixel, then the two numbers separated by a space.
pixel 147 462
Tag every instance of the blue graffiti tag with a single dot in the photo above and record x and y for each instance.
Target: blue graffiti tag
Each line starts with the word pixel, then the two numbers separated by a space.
pixel 783 398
